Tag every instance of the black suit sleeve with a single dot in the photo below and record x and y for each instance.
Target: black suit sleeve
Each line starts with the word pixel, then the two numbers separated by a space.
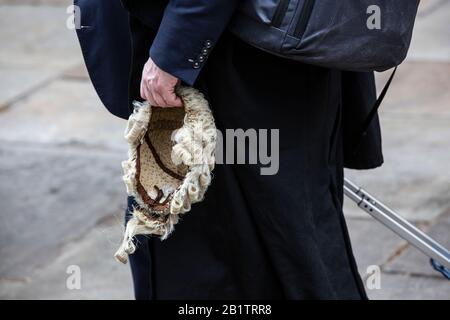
pixel 187 34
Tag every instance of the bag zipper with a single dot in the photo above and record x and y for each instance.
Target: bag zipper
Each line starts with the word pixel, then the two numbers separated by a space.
pixel 303 19
pixel 280 12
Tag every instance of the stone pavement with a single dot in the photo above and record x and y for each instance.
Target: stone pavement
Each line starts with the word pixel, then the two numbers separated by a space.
pixel 62 199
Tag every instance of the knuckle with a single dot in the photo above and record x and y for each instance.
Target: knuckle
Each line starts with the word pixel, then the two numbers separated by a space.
pixel 158 87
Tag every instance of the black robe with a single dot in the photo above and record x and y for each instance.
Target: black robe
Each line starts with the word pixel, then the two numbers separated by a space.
pixel 266 236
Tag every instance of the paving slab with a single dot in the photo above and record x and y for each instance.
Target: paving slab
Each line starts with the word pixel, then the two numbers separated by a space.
pixel 101 277
pixel 412 261
pixel 414 180
pixel 404 287
pixel 415 122
pixel 63 112
pixel 35 2
pixel 431 32
pixel 372 243
pixel 418 89
pixel 50 197
pixel 16 83
pixel 37 36
pixel 36 46
pixel 78 72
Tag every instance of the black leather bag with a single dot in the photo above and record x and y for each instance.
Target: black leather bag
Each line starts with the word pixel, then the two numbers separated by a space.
pixel 353 35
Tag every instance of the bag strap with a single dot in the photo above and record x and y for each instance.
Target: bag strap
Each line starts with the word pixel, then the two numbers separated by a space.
pixel 373 112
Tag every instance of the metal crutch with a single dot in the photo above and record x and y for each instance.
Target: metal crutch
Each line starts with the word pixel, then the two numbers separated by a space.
pixel 439 256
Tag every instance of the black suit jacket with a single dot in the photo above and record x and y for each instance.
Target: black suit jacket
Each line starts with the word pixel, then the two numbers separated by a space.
pixel 187 30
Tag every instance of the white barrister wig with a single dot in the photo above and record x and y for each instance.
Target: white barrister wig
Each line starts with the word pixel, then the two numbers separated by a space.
pixel 170 159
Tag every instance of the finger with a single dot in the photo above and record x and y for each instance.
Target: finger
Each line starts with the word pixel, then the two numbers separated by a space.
pixel 144 87
pixel 143 92
pixel 151 99
pixel 172 99
pixel 158 98
pixel 148 94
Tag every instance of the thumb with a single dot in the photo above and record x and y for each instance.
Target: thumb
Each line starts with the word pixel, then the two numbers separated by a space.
pixel 173 100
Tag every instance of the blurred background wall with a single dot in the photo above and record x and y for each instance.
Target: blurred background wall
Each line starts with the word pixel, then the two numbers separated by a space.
pixel 61 194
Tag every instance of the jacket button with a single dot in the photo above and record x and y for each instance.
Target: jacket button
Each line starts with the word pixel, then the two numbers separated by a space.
pixel 201 58
pixel 196 65
pixel 205 51
pixel 208 44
